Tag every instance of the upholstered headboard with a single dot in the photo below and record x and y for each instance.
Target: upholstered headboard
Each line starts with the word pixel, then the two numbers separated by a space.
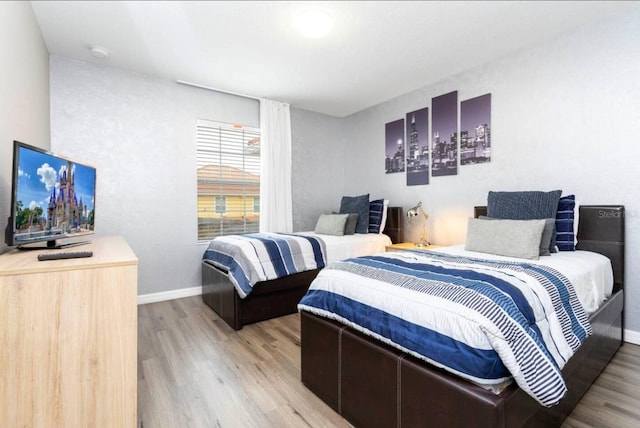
pixel 479 211
pixel 394 226
pixel 601 230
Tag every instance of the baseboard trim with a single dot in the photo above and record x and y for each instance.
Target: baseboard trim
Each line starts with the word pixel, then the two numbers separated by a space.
pixel 632 336
pixel 169 295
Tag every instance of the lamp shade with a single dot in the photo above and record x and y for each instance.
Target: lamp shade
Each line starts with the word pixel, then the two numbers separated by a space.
pixel 417 210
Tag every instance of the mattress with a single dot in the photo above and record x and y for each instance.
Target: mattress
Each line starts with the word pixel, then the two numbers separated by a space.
pixel 590 273
pixel 357 245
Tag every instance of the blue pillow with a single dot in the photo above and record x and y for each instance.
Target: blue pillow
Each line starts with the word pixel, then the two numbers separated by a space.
pixel 564 223
pixel 358 205
pixel 376 209
pixel 528 205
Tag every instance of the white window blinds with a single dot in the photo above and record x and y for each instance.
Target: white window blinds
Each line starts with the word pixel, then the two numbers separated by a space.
pixel 228 159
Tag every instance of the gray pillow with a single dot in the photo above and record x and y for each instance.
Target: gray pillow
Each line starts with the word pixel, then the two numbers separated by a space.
pixel 331 224
pixel 525 205
pixel 512 238
pixel 547 234
pixel 350 226
pixel 357 205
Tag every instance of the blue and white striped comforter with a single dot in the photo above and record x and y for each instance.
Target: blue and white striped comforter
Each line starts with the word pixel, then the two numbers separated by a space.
pixel 251 258
pixel 483 320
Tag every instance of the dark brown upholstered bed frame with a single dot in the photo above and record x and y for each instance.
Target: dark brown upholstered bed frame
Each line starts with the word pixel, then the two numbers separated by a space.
pixel 374 385
pixel 270 299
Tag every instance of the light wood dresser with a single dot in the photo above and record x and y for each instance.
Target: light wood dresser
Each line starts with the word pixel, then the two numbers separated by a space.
pixel 68 337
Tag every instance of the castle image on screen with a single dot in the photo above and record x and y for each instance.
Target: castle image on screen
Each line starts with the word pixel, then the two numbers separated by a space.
pixel 54 197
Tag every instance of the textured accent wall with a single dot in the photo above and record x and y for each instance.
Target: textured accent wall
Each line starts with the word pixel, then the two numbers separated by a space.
pixel 318 166
pixel 565 115
pixel 24 92
pixel 139 131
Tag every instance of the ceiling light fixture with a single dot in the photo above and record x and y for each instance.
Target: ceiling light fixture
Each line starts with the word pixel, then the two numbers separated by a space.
pixel 99 52
pixel 313 23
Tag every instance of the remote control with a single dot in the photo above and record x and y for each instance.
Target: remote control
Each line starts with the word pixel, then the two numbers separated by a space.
pixel 67 255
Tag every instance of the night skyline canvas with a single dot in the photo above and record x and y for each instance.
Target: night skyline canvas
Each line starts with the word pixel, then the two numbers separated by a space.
pixel 475 130
pixel 394 146
pixel 444 128
pixel 417 147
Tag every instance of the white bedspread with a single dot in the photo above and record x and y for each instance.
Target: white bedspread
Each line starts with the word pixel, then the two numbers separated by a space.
pixel 590 273
pixel 357 245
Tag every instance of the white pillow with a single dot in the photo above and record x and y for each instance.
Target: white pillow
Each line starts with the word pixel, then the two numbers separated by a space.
pixel 511 238
pixel 576 222
pixel 384 215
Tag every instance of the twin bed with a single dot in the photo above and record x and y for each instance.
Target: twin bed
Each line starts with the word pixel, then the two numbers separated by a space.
pixel 373 378
pixel 280 296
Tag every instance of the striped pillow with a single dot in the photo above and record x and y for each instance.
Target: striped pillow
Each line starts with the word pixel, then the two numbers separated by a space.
pixel 565 238
pixel 376 208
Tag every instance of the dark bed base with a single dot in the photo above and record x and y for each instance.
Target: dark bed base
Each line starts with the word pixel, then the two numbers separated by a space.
pixel 374 385
pixel 269 299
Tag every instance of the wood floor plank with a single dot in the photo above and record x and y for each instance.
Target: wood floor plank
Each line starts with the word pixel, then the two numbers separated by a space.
pixel 195 371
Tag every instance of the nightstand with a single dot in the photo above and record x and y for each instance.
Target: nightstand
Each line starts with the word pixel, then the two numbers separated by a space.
pixel 409 246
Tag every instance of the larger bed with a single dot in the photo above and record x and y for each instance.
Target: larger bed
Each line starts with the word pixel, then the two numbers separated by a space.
pixel 374 384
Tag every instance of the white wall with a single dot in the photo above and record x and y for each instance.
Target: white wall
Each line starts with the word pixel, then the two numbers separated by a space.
pixel 318 166
pixel 24 92
pixel 565 115
pixel 139 131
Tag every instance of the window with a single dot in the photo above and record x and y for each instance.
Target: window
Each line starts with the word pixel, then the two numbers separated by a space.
pixel 221 204
pixel 228 160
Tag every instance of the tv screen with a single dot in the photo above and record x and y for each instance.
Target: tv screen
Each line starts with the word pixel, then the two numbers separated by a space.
pixel 52 198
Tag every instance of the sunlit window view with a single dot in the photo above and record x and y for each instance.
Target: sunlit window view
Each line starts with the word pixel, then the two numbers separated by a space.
pixel 228 159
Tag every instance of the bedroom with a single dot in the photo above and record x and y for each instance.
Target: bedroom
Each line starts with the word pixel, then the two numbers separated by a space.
pixel 545 98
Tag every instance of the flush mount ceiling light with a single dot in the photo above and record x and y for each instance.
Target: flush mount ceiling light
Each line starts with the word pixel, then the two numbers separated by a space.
pixel 313 23
pixel 99 52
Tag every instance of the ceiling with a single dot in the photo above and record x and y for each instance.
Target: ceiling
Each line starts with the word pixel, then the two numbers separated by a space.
pixel 376 51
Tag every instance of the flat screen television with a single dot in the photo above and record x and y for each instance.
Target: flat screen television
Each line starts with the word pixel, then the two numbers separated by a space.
pixel 52 199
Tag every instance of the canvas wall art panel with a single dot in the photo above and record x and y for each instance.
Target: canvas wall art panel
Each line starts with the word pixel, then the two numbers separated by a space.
pixel 475 130
pixel 417 147
pixel 444 128
pixel 394 147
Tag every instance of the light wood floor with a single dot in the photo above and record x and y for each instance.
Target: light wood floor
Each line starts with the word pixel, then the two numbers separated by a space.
pixel 195 371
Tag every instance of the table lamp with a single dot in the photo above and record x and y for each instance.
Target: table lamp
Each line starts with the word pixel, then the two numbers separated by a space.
pixel 414 212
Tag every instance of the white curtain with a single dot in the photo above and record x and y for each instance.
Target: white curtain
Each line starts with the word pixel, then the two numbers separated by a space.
pixel 276 212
